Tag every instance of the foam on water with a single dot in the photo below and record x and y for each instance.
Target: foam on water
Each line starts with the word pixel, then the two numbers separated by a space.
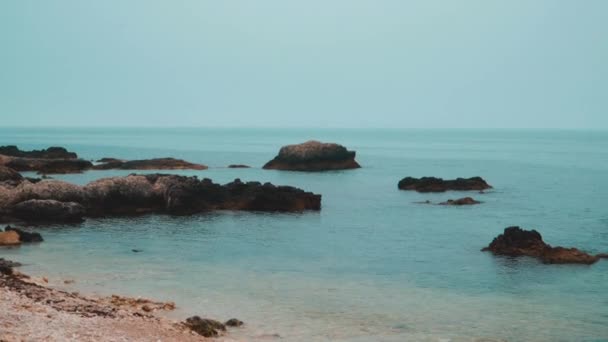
pixel 372 265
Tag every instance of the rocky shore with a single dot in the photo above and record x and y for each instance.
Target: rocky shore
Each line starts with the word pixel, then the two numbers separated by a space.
pixel 33 311
pixel 313 156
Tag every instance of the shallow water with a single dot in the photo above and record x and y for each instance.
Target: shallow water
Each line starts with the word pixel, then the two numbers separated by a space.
pixel 372 265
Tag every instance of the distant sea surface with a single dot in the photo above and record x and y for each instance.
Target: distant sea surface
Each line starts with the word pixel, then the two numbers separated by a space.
pixel 372 265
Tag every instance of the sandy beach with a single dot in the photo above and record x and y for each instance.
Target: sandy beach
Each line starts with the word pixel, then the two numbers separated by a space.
pixel 32 311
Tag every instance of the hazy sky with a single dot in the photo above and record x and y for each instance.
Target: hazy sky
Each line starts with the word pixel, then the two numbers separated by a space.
pixel 351 63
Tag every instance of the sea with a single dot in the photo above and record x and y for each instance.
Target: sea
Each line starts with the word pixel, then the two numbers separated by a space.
pixel 373 264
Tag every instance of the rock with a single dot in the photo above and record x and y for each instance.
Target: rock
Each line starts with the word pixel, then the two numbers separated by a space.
pixel 238 166
pixel 313 156
pixel 6 266
pixel 48 189
pixel 233 322
pixel 8 174
pixel 47 166
pixel 432 184
pixel 136 250
pixel 24 236
pixel 109 160
pixel 602 255
pixel 518 242
pixel 149 164
pixel 9 238
pixel 49 211
pixel 205 327
pixel 460 201
pixel 49 153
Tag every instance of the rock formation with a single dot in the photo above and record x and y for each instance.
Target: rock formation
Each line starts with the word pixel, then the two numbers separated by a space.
pixel 313 156
pixel 148 164
pixel 460 201
pixel 518 242
pixel 432 184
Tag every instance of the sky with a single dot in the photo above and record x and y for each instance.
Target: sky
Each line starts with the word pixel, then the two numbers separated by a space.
pixel 313 63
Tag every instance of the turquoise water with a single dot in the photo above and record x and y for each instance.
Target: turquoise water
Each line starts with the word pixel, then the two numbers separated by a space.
pixel 372 265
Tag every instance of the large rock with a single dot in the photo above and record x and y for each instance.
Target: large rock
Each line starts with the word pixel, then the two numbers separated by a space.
pixel 148 164
pixel 204 326
pixel 313 156
pixel 47 166
pixel 8 174
pixel 49 153
pixel 48 189
pixel 518 242
pixel 9 238
pixel 49 211
pixel 433 184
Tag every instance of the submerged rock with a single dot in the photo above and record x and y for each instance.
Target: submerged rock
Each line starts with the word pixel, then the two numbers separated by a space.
pixel 25 236
pixel 49 153
pixel 460 201
pixel 233 322
pixel 433 184
pixel 204 326
pixel 313 156
pixel 518 242
pixel 148 164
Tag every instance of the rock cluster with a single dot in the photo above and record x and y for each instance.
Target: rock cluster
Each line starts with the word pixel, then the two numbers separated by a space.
pixel 147 164
pixel 58 201
pixel 519 242
pixel 433 184
pixel 313 156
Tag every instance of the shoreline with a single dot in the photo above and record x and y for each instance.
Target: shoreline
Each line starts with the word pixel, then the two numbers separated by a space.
pixel 33 310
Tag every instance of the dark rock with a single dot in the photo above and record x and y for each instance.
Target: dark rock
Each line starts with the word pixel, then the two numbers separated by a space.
pixel 6 266
pixel 205 327
pixel 149 164
pixel 460 201
pixel 602 255
pixel 49 153
pixel 8 174
pixel 109 160
pixel 233 322
pixel 136 250
pixel 24 236
pixel 238 166
pixel 313 156
pixel 49 211
pixel 48 166
pixel 518 242
pixel 432 184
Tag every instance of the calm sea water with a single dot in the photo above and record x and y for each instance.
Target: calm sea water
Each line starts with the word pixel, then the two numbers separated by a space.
pixel 372 265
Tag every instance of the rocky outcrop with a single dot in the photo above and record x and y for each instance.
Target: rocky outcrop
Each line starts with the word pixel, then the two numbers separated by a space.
pixel 49 211
pixel 313 156
pixel 8 174
pixel 9 238
pixel 518 242
pixel 433 184
pixel 204 326
pixel 49 153
pixel 25 236
pixel 460 201
pixel 57 201
pixel 149 164
pixel 233 322
pixel 46 166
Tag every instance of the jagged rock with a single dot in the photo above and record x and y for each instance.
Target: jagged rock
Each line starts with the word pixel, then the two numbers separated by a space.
pixel 518 242
pixel 49 153
pixel 149 164
pixel 460 201
pixel 49 211
pixel 313 156
pixel 25 236
pixel 233 322
pixel 433 184
pixel 9 238
pixel 204 326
